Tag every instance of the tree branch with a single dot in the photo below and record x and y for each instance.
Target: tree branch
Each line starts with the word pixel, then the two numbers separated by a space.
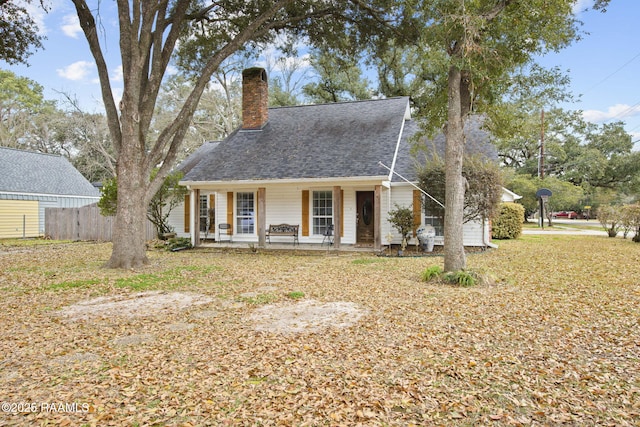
pixel 88 25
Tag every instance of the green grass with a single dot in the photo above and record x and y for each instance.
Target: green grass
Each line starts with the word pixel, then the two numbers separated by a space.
pixel 140 282
pixel 31 242
pixel 168 279
pixel 73 284
pixel 260 299
pixel 295 295
pixel 366 261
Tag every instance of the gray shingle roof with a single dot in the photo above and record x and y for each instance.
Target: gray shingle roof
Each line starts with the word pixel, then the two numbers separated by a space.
pixel 193 159
pixel 323 141
pixel 478 141
pixel 311 141
pixel 31 172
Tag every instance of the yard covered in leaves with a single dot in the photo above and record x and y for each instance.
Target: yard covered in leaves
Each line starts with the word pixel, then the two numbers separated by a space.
pixel 556 340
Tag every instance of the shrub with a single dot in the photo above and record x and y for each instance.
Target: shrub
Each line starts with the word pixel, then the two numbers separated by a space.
pixel 631 220
pixel 178 243
pixel 626 219
pixel 610 218
pixel 431 273
pixel 402 219
pixel 464 278
pixel 508 224
pixel 461 277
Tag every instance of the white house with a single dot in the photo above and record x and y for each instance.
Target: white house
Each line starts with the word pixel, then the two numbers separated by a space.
pixel 313 166
pixel 31 182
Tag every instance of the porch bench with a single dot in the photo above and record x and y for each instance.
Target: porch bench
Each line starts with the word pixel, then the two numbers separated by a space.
pixel 283 230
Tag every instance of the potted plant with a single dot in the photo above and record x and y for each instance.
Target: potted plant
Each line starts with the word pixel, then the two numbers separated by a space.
pixel 402 220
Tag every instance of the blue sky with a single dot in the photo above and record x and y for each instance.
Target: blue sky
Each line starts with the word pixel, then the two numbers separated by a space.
pixel 604 66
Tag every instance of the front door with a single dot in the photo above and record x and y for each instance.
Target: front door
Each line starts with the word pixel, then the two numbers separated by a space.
pixel 365 218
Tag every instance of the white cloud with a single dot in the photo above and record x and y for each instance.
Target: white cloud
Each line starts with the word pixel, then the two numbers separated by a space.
pixel 77 71
pixel 616 112
pixel 116 76
pixel 36 13
pixel 581 5
pixel 39 15
pixel 71 26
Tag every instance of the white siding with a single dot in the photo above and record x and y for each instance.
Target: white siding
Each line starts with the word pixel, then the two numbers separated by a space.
pixel 284 205
pixel 176 220
pixel 402 194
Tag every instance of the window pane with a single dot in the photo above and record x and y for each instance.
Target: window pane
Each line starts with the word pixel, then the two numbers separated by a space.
pixel 244 213
pixel 436 221
pixel 203 213
pixel 322 211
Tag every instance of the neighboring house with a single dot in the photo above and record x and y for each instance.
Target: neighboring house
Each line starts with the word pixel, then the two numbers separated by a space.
pixel 312 166
pixel 509 196
pixel 31 182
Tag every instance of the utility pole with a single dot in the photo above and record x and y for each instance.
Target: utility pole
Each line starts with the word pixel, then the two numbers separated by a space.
pixel 541 158
pixel 541 167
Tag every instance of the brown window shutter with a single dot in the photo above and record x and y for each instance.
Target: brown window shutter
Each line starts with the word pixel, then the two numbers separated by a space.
pixel 417 210
pixel 341 213
pixel 305 212
pixel 230 211
pixel 187 212
pixel 212 205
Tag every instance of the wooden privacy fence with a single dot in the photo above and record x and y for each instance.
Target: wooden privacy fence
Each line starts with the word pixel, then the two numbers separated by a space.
pixel 85 223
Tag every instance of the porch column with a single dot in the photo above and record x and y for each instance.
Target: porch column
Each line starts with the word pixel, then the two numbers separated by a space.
pixel 195 217
pixel 337 216
pixel 377 214
pixel 262 216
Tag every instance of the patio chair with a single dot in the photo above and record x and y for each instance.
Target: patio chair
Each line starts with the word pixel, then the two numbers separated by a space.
pixel 328 235
pixel 223 231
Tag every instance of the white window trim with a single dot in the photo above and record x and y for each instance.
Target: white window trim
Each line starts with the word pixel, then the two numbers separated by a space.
pixel 237 230
pixel 312 216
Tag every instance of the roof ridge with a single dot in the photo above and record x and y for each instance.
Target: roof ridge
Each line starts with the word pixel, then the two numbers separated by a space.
pixel 32 152
pixel 338 103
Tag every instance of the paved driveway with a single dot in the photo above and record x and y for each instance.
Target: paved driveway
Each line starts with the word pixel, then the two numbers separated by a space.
pixel 568 226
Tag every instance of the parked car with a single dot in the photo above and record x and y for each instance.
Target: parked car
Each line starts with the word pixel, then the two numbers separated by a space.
pixel 565 214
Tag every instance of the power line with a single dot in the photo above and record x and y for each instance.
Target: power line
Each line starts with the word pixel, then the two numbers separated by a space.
pixel 612 74
pixel 622 113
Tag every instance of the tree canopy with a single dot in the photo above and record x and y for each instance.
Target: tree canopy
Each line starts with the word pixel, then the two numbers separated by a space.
pixel 464 55
pixel 18 31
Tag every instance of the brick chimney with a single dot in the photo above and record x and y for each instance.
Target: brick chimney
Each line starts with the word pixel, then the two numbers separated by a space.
pixel 255 98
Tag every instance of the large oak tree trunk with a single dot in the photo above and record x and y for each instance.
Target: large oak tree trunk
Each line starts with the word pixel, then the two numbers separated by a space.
pixel 129 243
pixel 454 255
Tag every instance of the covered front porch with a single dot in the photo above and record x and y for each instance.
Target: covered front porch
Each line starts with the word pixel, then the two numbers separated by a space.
pixel 259 216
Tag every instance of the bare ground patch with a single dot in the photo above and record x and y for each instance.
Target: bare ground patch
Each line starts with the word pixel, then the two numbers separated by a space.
pixel 306 316
pixel 138 305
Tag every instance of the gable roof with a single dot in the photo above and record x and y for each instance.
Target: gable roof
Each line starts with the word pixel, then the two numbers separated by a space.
pixel 310 141
pixel 336 140
pixel 478 141
pixel 192 160
pixel 37 173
